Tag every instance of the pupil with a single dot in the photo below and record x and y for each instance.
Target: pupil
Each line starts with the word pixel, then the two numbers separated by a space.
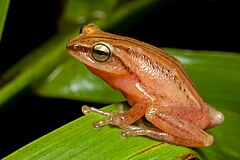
pixel 100 53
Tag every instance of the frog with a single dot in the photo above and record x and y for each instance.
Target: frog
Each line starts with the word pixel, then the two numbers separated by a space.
pixel 155 85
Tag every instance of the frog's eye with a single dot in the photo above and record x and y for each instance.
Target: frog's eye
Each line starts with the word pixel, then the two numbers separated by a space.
pixel 101 52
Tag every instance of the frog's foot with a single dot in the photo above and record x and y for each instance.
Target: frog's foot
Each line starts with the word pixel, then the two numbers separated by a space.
pixel 96 124
pixel 111 118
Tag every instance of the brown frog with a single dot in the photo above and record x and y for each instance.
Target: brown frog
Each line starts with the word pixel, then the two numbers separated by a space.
pixel 154 83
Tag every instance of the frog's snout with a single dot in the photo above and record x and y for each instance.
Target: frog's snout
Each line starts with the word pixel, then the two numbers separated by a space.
pixel 71 46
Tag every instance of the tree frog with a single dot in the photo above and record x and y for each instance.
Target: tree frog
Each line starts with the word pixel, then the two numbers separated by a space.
pixel 155 85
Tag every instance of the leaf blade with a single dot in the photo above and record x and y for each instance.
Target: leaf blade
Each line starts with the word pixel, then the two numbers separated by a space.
pixel 3 14
pixel 78 140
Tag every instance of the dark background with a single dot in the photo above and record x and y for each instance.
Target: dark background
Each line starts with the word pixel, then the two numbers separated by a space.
pixel 198 24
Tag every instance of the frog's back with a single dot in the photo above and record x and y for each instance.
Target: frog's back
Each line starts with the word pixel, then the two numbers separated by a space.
pixel 161 73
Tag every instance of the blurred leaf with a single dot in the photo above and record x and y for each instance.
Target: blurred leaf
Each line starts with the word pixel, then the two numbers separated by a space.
pixel 108 15
pixel 3 14
pixel 215 74
pixel 78 140
pixel 32 68
pixel 73 80
pixel 78 12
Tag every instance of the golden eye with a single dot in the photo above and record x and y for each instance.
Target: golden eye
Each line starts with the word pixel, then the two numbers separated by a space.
pixel 101 52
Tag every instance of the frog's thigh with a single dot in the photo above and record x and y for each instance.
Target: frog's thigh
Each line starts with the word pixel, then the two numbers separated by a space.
pixel 184 132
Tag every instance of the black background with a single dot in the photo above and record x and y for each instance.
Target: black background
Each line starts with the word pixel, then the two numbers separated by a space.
pixel 198 24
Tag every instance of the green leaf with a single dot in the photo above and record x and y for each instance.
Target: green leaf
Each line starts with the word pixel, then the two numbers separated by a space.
pixel 32 68
pixel 215 74
pixel 108 15
pixel 79 12
pixel 63 83
pixel 3 14
pixel 78 140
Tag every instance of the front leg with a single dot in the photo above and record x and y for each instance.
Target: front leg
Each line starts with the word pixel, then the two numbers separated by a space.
pixel 120 119
pixel 137 96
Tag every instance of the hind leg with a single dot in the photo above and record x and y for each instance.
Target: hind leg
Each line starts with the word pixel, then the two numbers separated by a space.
pixel 182 132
